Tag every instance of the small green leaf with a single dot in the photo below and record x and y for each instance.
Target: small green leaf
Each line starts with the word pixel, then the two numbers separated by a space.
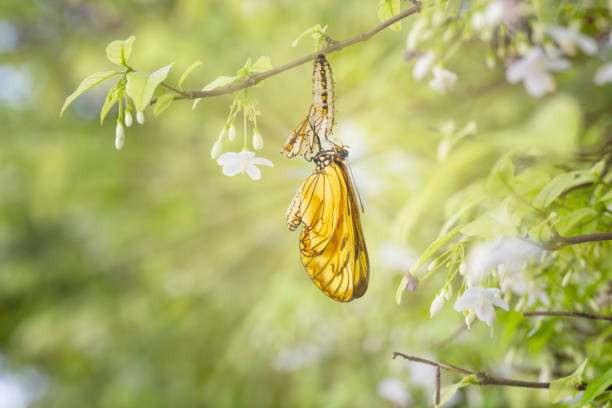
pixel 559 184
pixel 119 51
pixel 597 386
pixel 219 82
pixel 109 102
pixel 446 393
pixel 388 9
pixel 87 83
pixel 434 247
pixel 501 178
pixel 583 215
pixel 262 64
pixel 314 29
pixel 245 70
pixel 163 102
pixel 141 85
pixel 188 71
pixel 564 387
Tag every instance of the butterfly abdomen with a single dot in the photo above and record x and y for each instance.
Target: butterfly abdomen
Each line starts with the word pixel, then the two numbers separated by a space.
pixel 323 91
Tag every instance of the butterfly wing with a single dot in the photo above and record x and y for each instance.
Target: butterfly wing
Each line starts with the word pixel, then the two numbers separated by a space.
pixel 302 140
pixel 337 263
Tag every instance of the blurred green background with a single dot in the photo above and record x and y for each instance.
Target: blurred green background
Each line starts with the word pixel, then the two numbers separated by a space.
pixel 146 278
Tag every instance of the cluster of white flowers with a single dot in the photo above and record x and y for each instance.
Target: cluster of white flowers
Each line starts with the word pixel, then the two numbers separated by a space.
pixel 120 131
pixel 535 63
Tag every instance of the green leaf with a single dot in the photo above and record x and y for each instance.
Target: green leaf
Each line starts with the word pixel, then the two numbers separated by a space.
pixel 219 82
pixel 559 184
pixel 491 225
pixel 262 64
pixel 163 102
pixel 597 387
pixel 109 102
pixel 245 70
pixel 388 9
pixel 446 393
pixel 314 29
pixel 434 247
pixel 119 51
pixel 501 178
pixel 564 387
pixel 607 196
pixel 566 223
pixel 87 83
pixel 141 85
pixel 188 71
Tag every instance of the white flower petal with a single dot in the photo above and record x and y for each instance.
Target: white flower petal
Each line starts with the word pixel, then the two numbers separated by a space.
pixel 260 161
pixel 253 172
pixel 232 169
pixel 517 71
pixel 587 45
pixel 499 302
pixel 539 83
pixel 603 74
pixel 468 299
pixel 485 312
pixel 558 64
pixel 423 66
pixel 227 158
pixel 436 305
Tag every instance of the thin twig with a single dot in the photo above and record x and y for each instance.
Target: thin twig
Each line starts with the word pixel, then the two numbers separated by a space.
pixel 336 46
pixel 438 382
pixel 484 378
pixel 569 314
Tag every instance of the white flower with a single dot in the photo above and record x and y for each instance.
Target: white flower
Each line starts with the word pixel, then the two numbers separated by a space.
pixel 533 71
pixel 448 292
pixel 217 149
pixel 503 11
pixel 128 119
pixel 232 132
pixel 244 162
pixel 603 74
pixel 436 305
pixel 510 253
pixel 570 38
pixel 423 65
pixel 443 80
pixel 119 136
pixel 469 318
pixel 394 391
pixel 258 142
pixel 140 117
pixel 482 301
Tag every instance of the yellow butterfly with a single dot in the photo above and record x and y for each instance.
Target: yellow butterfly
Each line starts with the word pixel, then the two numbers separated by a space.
pixel 320 118
pixel 332 246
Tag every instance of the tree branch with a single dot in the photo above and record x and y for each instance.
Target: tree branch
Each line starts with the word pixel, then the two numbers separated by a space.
pixel 580 239
pixel 336 46
pixel 569 314
pixel 483 377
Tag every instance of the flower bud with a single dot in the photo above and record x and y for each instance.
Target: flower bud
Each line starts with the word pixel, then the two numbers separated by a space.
pixel 469 318
pixel 128 119
pixel 258 142
pixel 232 132
pixel 431 266
pixel 462 269
pixel 119 136
pixel 140 117
pixel 436 305
pixel 448 292
pixel 217 149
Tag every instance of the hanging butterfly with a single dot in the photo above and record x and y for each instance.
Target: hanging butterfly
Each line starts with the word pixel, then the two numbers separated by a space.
pixel 318 124
pixel 332 246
